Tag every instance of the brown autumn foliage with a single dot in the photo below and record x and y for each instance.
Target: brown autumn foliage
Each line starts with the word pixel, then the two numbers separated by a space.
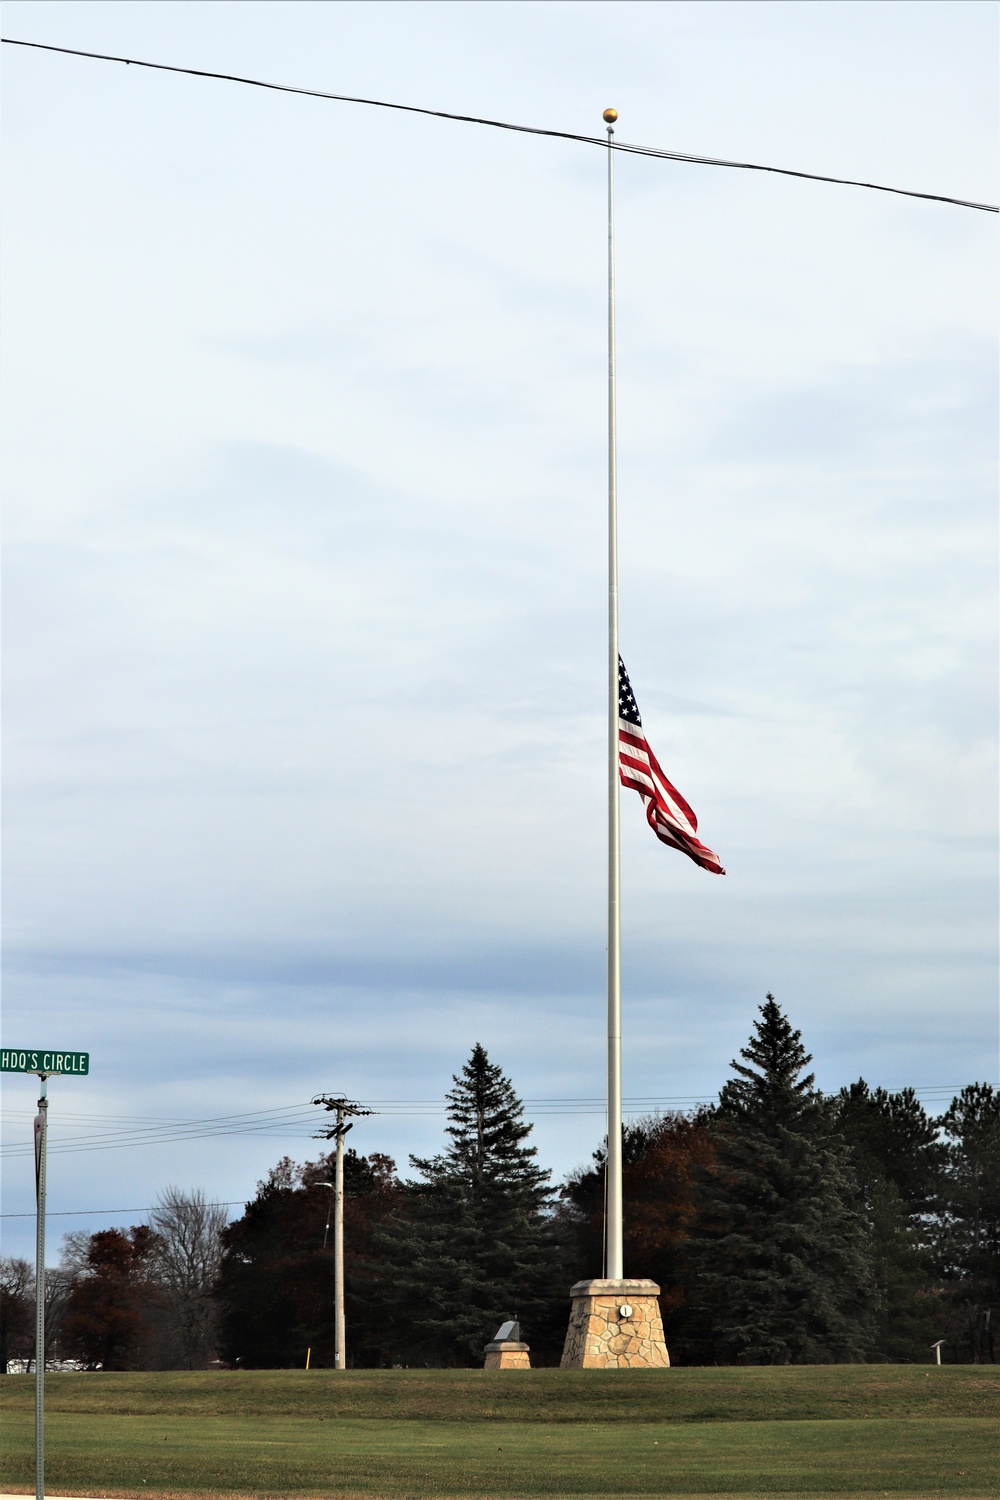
pixel 107 1315
pixel 663 1158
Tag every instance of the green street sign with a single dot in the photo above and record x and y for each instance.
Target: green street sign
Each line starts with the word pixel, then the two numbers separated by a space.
pixel 13 1060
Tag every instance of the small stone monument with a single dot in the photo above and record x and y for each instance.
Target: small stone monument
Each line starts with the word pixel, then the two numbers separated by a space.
pixel 505 1351
pixel 615 1325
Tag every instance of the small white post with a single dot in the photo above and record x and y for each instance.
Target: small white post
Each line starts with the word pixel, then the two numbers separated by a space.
pixel 937 1349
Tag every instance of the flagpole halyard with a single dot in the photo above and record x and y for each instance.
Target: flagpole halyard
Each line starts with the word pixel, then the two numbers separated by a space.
pixel 613 1224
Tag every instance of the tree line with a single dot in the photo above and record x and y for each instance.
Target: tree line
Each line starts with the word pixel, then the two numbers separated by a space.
pixel 783 1225
pixel 123 1299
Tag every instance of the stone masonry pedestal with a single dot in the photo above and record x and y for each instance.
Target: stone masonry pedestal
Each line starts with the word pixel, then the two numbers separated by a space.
pixel 615 1325
pixel 506 1354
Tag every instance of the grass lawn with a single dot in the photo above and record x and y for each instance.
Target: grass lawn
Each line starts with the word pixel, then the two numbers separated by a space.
pixel 831 1430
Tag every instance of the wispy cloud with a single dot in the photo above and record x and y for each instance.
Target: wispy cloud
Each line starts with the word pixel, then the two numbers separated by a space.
pixel 305 578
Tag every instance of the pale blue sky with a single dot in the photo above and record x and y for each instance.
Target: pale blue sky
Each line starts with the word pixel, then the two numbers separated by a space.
pixel 304 488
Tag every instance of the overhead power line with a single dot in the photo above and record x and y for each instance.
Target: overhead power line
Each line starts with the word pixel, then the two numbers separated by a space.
pixel 930 1093
pixel 79 1213
pixel 656 152
pixel 293 1121
pixel 296 1121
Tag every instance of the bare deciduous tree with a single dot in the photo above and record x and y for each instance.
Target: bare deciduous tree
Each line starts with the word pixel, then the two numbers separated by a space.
pixel 58 1285
pixel 17 1307
pixel 73 1257
pixel 185 1265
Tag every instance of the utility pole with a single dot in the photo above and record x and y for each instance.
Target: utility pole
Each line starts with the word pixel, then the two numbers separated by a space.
pixel 342 1108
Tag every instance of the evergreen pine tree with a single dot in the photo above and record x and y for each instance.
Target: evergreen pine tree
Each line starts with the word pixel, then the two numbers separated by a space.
pixel 778 1267
pixel 898 1162
pixel 892 1139
pixel 969 1245
pixel 474 1244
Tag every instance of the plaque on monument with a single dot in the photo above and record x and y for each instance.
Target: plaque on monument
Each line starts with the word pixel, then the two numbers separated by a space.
pixel 505 1351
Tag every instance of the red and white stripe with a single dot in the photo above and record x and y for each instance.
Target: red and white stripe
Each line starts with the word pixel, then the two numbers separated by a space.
pixel 667 813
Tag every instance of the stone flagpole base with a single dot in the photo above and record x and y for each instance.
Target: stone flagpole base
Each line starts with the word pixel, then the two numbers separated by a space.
pixel 615 1325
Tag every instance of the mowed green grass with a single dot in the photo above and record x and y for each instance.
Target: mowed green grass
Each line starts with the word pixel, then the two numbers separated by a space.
pixel 290 1455
pixel 750 1394
pixel 831 1430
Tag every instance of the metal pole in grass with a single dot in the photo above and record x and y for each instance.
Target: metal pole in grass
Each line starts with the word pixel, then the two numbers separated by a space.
pixel 41 1139
pixel 47 1063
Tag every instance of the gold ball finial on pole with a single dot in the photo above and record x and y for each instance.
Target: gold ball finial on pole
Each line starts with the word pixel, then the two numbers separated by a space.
pixel 610 116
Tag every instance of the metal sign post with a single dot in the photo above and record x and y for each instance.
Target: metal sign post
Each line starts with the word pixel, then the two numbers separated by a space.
pixel 47 1064
pixel 41 1133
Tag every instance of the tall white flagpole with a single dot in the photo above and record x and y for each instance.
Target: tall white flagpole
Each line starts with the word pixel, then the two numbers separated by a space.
pixel 614 1269
pixel 626 1331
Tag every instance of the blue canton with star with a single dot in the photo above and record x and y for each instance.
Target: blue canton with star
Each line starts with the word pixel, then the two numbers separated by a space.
pixel 628 709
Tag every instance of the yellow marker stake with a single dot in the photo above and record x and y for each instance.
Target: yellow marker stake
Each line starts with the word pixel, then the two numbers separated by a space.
pixel 308 1352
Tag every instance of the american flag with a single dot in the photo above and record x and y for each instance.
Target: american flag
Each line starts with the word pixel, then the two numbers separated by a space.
pixel 667 813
